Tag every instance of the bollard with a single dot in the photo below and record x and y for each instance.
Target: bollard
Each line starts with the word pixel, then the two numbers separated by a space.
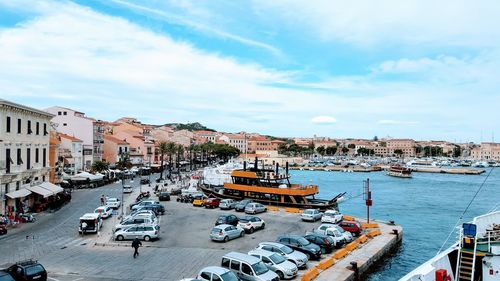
pixel 354 267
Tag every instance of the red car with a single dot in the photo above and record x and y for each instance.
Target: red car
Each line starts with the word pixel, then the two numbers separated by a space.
pixel 351 226
pixel 211 203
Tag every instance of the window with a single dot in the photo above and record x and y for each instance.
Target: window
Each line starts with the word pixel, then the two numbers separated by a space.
pixel 7 128
pixel 28 158
pixel 235 265
pixel 225 262
pixel 19 159
pixel 65 113
pixel 29 127
pixel 216 278
pixel 59 113
pixel 45 129
pixel 18 125
pixel 8 160
pixel 266 260
pixel 44 158
pixel 37 156
pixel 65 124
pixel 37 128
pixel 245 268
pixel 205 275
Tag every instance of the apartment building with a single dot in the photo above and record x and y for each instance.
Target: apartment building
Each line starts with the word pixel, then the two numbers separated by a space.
pixel 259 143
pixel 486 151
pixel 236 140
pixel 89 130
pixel 71 152
pixel 139 137
pixel 114 148
pixel 24 149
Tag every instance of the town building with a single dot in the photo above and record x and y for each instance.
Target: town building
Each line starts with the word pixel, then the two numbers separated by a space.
pixel 114 149
pixel 71 153
pixel 56 166
pixel 24 151
pixel 236 140
pixel 259 143
pixel 89 130
pixel 139 137
pixel 486 151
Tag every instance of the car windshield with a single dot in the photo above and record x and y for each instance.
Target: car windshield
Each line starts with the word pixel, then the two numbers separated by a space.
pixel 277 259
pixel 229 276
pixel 33 270
pixel 287 250
pixel 260 268
pixel 302 241
pixel 244 220
pixel 216 230
pixel 329 214
pixel 308 212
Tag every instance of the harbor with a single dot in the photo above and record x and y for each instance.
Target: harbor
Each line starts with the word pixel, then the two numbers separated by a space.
pixel 378 168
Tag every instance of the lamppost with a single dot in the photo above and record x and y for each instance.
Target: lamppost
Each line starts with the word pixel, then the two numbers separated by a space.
pixel 149 174
pixel 123 182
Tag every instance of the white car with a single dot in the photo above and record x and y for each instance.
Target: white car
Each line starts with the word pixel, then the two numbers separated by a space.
pixel 105 211
pixel 133 222
pixel 136 212
pixel 150 216
pixel 144 232
pixel 331 216
pixel 114 203
pixel 251 223
pixel 311 215
pixel 226 204
pixel 216 273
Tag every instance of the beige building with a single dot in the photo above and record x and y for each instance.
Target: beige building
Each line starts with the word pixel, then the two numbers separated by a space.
pixel 114 148
pixel 236 140
pixel 24 151
pixel 71 149
pixel 486 151
pixel 259 143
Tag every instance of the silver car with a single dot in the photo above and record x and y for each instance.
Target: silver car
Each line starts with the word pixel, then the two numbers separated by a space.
pixel 216 273
pixel 225 232
pixel 144 232
pixel 276 262
pixel 254 208
pixel 227 204
pixel 298 258
pixel 311 215
pixel 133 222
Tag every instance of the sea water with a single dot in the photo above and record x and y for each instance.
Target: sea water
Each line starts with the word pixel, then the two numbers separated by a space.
pixel 427 206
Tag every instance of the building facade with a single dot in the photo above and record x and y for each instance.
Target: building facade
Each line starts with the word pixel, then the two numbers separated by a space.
pixel 71 150
pixel 486 151
pixel 114 148
pixel 24 151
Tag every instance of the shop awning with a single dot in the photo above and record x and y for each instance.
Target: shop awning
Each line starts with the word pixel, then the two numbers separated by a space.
pixel 18 193
pixel 51 187
pixel 40 190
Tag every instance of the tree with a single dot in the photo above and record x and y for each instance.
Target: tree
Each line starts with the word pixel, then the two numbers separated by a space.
pixel 398 152
pixel 124 163
pixel 375 138
pixel 171 150
pixel 180 153
pixel 99 166
pixel 162 149
pixel 351 145
pixel 331 150
pixel 345 150
pixel 457 151
pixel 321 150
pixel 418 149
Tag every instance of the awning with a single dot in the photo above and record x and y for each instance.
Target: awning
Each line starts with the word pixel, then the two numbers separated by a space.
pixel 51 187
pixel 18 193
pixel 40 190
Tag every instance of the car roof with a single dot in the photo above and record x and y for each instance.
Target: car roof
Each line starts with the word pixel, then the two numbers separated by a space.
pixel 276 244
pixel 113 199
pixel 215 269
pixel 90 216
pixel 261 252
pixel 332 211
pixel 222 225
pixel 290 236
pixel 242 257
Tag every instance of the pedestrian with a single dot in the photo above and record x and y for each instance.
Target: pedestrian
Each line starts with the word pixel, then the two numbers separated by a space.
pixel 135 244
pixel 102 200
pixel 83 226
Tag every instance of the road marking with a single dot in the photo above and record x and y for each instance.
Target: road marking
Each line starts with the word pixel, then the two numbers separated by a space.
pixel 52 278
pixel 60 242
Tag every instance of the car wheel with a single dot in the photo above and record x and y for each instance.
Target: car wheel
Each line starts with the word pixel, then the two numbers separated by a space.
pixel 147 238
pixel 226 239
pixel 242 234
pixel 263 225
pixel 119 238
pixel 280 275
pixel 251 230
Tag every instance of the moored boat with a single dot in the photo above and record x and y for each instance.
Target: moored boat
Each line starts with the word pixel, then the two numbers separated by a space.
pixel 399 171
pixel 270 186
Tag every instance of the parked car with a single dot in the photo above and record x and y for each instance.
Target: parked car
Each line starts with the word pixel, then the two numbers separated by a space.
pixel 248 267
pixel 112 202
pixel 134 222
pixel 90 223
pixel 351 226
pixel 330 230
pixel 164 196
pixel 28 270
pixel 127 188
pixel 144 232
pixel 158 209
pixel 144 180
pixel 105 211
pixel 225 232
pixel 345 234
pixel 331 216
pixel 198 200
pixel 211 203
pixel 3 229
pixel 298 258
pixel 142 203
pixel 5 276
pixel 152 217
pixel 280 265
pixel 137 212
pixel 255 208
pixel 227 219
pixel 325 242
pixel 216 273
pixel 240 206
pixel 299 243
pixel 227 204
pixel 251 223
pixel 311 215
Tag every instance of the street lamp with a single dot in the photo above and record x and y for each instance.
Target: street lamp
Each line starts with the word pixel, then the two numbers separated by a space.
pixel 123 182
pixel 149 172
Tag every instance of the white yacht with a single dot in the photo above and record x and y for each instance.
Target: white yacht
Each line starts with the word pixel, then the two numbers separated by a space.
pixel 475 257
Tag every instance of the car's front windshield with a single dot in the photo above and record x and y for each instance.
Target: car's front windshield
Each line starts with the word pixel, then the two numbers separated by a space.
pixel 260 268
pixel 302 241
pixel 287 250
pixel 229 276
pixel 277 259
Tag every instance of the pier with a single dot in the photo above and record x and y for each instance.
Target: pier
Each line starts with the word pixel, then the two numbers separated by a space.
pixel 361 169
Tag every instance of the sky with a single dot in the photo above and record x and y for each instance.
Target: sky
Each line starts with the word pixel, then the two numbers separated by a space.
pixel 420 69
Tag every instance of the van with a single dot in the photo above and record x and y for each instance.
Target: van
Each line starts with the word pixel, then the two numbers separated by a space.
pixel 93 223
pixel 248 267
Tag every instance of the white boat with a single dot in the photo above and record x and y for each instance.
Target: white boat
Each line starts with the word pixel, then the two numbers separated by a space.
pixel 476 256
pixel 481 164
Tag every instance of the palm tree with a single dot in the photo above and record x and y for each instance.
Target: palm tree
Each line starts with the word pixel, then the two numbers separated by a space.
pixel 191 148
pixel 162 148
pixel 99 166
pixel 171 149
pixel 180 152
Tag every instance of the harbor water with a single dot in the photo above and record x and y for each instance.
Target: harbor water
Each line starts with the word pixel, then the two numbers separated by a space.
pixel 427 206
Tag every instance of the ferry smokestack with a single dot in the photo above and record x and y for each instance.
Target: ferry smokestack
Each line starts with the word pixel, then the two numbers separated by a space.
pixel 255 164
pixel 277 168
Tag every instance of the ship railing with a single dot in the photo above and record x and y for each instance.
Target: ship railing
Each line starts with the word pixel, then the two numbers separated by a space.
pixel 303 187
pixel 491 236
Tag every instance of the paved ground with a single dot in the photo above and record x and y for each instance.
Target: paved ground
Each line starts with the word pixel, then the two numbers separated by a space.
pixel 183 249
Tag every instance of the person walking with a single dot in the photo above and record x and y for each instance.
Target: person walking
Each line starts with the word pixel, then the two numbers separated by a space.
pixel 103 200
pixel 136 244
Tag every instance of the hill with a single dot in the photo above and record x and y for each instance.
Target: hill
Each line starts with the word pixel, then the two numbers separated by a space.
pixel 189 126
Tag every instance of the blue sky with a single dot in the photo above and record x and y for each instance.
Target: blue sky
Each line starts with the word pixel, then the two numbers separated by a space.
pixel 416 69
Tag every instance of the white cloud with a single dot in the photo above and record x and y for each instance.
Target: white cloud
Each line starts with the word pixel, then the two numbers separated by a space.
pixel 324 120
